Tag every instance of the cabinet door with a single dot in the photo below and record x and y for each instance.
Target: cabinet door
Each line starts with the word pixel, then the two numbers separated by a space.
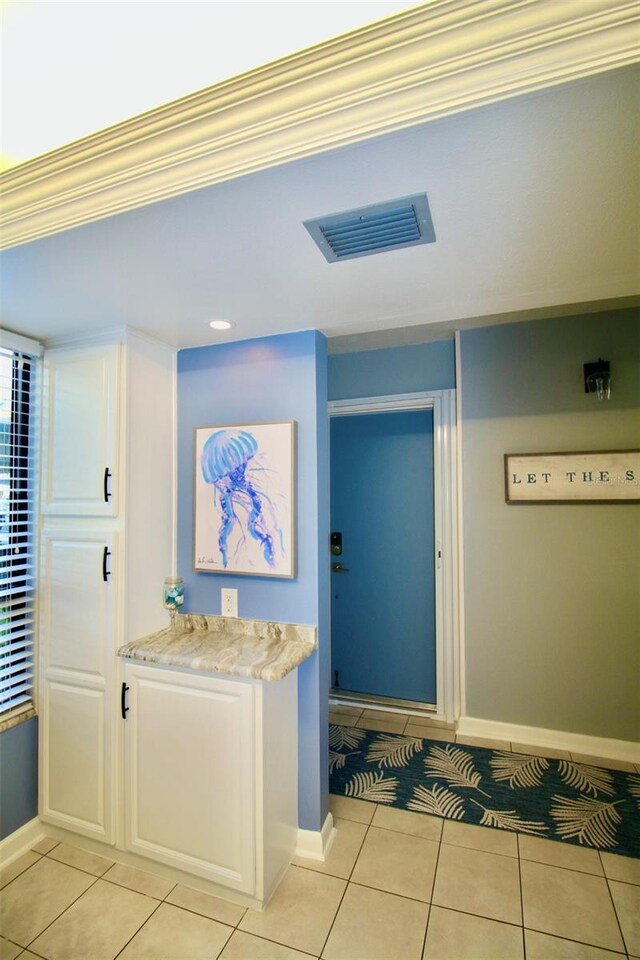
pixel 76 655
pixel 75 759
pixel 190 773
pixel 81 415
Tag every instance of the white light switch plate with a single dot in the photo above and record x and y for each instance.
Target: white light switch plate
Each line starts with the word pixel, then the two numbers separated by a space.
pixel 229 602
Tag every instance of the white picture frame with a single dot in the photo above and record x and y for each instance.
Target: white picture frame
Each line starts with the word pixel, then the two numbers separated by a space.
pixel 244 499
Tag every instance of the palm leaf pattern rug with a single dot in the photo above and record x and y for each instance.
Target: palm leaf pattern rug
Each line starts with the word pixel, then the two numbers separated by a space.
pixel 553 799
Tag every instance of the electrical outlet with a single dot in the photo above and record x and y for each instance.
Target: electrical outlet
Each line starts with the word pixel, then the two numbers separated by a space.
pixel 229 603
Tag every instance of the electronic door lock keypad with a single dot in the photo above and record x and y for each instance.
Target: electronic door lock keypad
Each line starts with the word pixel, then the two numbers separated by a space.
pixel 336 544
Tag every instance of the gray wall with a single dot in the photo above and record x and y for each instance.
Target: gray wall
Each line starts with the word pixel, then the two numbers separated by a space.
pixel 552 592
pixel 18 776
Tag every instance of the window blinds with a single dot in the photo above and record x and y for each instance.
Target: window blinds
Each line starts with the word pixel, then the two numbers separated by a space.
pixel 17 552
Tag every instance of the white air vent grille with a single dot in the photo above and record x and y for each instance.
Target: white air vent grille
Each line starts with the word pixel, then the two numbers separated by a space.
pixel 405 222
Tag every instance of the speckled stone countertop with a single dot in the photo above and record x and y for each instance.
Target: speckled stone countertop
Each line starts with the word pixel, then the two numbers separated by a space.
pixel 242 648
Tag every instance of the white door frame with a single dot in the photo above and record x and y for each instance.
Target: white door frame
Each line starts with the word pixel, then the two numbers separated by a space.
pixel 443 405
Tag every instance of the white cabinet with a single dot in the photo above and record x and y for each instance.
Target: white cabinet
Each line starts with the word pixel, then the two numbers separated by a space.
pixel 202 774
pixel 211 774
pixel 77 613
pixel 81 395
pixel 105 547
pixel 190 773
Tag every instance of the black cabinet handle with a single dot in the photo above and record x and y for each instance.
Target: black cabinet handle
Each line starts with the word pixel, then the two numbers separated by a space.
pixel 106 573
pixel 105 484
pixel 124 709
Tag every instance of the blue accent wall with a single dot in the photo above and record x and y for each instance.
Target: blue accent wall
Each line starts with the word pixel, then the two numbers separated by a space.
pixel 252 381
pixel 376 373
pixel 18 776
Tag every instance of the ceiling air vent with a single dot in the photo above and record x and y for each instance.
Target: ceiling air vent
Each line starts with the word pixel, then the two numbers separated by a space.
pixel 405 222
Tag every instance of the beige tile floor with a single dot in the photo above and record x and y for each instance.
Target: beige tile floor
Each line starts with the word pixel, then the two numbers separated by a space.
pixel 395 886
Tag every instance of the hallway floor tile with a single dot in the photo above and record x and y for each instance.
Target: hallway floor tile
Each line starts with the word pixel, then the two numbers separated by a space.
pixel 396 885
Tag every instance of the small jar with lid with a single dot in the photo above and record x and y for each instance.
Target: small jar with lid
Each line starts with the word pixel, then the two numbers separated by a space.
pixel 173 596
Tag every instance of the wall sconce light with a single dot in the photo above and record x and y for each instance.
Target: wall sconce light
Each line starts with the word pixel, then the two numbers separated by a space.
pixel 597 379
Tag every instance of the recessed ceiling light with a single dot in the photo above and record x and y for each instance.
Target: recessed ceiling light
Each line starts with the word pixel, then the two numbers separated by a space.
pixel 220 324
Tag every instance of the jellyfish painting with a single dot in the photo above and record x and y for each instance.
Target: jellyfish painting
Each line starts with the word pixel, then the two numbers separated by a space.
pixel 247 501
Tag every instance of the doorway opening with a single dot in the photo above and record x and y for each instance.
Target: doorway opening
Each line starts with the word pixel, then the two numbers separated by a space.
pixel 392 553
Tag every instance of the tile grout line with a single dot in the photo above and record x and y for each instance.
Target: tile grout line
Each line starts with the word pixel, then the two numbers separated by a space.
pixel 582 943
pixel 508 923
pixel 164 899
pixel 24 951
pixel 433 890
pixel 68 907
pixel 277 943
pixel 80 869
pixel 113 883
pixel 142 925
pixel 524 939
pixel 346 887
pixel 404 896
pixel 613 904
pixel 14 944
pixel 234 926
pixel 40 857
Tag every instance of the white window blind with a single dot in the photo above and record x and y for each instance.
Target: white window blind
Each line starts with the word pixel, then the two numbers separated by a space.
pixel 17 552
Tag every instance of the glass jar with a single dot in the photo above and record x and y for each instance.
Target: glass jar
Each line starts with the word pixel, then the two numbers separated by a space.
pixel 173 596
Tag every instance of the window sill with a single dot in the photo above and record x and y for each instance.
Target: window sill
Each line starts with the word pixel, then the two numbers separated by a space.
pixel 14 717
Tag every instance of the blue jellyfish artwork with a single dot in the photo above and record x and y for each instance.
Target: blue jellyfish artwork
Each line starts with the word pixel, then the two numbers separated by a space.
pixel 231 462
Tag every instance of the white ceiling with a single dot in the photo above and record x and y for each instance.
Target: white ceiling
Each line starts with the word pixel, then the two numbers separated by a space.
pixel 534 203
pixel 72 68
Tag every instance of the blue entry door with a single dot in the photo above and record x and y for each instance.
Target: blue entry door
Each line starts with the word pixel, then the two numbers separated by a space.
pixel 383 598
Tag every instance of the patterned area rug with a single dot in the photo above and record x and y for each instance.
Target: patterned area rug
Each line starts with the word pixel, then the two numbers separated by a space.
pixel 554 799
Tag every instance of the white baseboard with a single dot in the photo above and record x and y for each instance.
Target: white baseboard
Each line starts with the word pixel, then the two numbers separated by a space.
pixel 21 840
pixel 315 844
pixel 603 747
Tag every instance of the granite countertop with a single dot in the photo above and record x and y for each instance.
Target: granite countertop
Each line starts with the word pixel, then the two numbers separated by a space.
pixel 257 649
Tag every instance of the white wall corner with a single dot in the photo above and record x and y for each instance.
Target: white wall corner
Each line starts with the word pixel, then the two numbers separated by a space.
pixel 461 665
pixel 21 840
pixel 315 844
pixel 605 747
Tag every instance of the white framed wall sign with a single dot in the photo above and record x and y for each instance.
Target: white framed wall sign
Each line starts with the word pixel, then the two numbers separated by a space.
pixel 588 476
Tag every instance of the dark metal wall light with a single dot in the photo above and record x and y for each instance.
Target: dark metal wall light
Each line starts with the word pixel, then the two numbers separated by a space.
pixel 597 379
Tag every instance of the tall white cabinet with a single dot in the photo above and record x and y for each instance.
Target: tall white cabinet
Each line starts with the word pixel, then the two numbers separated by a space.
pixel 105 546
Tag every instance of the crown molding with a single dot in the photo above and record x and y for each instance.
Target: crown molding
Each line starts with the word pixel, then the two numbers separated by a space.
pixel 430 61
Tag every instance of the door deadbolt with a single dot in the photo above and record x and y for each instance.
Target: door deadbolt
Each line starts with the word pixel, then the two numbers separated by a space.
pixel 336 544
